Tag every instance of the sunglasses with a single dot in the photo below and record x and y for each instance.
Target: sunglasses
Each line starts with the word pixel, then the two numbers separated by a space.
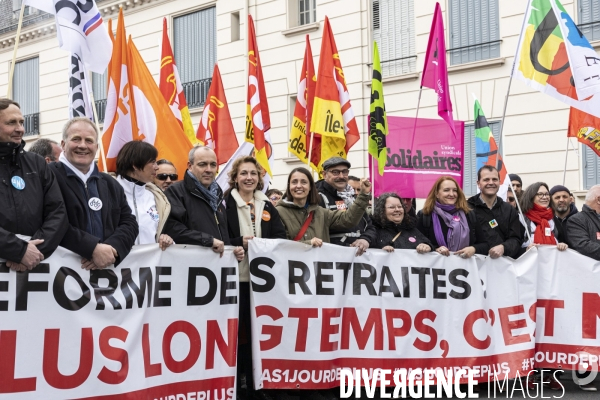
pixel 163 177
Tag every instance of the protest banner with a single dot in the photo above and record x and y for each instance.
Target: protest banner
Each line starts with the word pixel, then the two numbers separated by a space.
pixel 412 171
pixel 160 325
pixel 318 310
pixel 568 308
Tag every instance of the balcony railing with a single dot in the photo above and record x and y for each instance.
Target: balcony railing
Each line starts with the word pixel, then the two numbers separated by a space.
pixel 32 124
pixel 196 92
pixel 101 110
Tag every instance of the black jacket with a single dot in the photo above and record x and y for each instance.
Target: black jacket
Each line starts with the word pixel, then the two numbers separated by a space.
pixel 37 211
pixel 561 224
pixel 365 226
pixel 271 229
pixel 508 231
pixel 119 226
pixel 410 237
pixel 192 220
pixel 583 232
pixel 477 237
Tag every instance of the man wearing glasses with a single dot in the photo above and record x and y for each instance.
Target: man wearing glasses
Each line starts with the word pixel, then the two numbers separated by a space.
pixel 500 221
pixel 166 175
pixel 337 194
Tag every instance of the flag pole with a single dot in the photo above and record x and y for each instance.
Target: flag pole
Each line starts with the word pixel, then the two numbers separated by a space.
pixel 512 70
pixel 14 57
pixel 566 158
pixel 100 143
pixel 416 118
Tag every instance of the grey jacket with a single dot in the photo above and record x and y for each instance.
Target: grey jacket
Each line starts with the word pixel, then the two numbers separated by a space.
pixel 583 232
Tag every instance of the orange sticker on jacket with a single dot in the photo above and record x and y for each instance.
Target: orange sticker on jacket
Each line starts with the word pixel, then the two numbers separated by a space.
pixel 266 216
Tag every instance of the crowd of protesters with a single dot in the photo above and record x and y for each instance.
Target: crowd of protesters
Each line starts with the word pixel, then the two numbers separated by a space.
pixel 56 195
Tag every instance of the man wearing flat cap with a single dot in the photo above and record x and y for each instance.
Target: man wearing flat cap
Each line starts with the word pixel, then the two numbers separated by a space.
pixel 560 201
pixel 336 194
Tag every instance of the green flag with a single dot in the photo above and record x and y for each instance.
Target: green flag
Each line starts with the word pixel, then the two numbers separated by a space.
pixel 378 127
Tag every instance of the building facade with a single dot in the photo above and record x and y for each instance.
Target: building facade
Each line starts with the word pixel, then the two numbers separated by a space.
pixel 481 41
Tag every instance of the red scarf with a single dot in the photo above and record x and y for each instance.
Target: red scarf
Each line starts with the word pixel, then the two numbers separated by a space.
pixel 540 216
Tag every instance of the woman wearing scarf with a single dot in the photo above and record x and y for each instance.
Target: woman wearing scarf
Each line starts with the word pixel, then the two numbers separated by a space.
pixel 539 217
pixel 249 214
pixel 448 223
pixel 396 229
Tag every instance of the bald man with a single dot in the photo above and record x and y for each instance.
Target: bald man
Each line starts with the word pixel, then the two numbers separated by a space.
pixel 197 212
pixel 583 228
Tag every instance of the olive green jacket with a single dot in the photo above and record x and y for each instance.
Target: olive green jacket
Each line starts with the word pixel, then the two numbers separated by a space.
pixel 293 218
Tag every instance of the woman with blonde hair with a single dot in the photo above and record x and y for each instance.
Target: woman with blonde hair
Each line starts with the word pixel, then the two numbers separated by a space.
pixel 448 223
pixel 249 214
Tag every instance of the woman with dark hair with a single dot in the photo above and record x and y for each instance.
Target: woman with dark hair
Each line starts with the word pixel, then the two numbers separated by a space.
pixel 249 214
pixel 166 174
pixel 396 229
pixel 448 223
pixel 539 218
pixel 305 220
pixel 136 168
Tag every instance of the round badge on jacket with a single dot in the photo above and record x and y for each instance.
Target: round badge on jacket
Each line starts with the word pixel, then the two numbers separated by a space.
pixel 95 204
pixel 412 239
pixel 18 182
pixel 266 216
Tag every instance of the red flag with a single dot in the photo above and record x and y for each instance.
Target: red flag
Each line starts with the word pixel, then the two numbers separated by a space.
pixel 300 136
pixel 171 88
pixel 216 129
pixel 586 128
pixel 435 72
pixel 258 121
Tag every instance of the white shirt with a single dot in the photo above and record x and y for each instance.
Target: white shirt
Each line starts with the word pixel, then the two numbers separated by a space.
pixel 143 206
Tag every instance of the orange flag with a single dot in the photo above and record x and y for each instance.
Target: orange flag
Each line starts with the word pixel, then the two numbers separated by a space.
pixel 300 137
pixel 119 120
pixel 258 121
pixel 332 115
pixel 137 110
pixel 216 129
pixel 171 88
pixel 586 128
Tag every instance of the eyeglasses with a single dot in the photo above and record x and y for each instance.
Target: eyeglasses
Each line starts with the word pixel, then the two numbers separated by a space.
pixel 337 172
pixel 542 195
pixel 163 177
pixel 275 198
pixel 394 207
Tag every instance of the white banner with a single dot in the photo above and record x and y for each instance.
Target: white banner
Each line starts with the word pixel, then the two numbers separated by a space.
pixel 568 311
pixel 161 325
pixel 319 310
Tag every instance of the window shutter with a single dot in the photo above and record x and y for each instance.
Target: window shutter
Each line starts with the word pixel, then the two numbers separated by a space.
pixel 394 32
pixel 589 12
pixel 195 50
pixel 26 86
pixel 473 22
pixel 99 84
pixel 591 167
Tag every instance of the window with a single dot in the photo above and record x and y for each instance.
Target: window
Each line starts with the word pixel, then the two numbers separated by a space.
pixel 99 87
pixel 474 30
pixel 394 32
pixel 307 12
pixel 26 92
pixel 470 158
pixel 589 19
pixel 591 168
pixel 16 6
pixel 195 50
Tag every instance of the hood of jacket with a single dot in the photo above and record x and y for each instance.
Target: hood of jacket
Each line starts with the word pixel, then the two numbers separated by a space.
pixel 12 151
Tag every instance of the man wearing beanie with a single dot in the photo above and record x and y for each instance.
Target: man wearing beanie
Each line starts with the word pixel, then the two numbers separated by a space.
pixel 517 184
pixel 563 209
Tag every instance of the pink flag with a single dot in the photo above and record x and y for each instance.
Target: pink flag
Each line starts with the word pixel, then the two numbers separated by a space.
pixel 435 72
